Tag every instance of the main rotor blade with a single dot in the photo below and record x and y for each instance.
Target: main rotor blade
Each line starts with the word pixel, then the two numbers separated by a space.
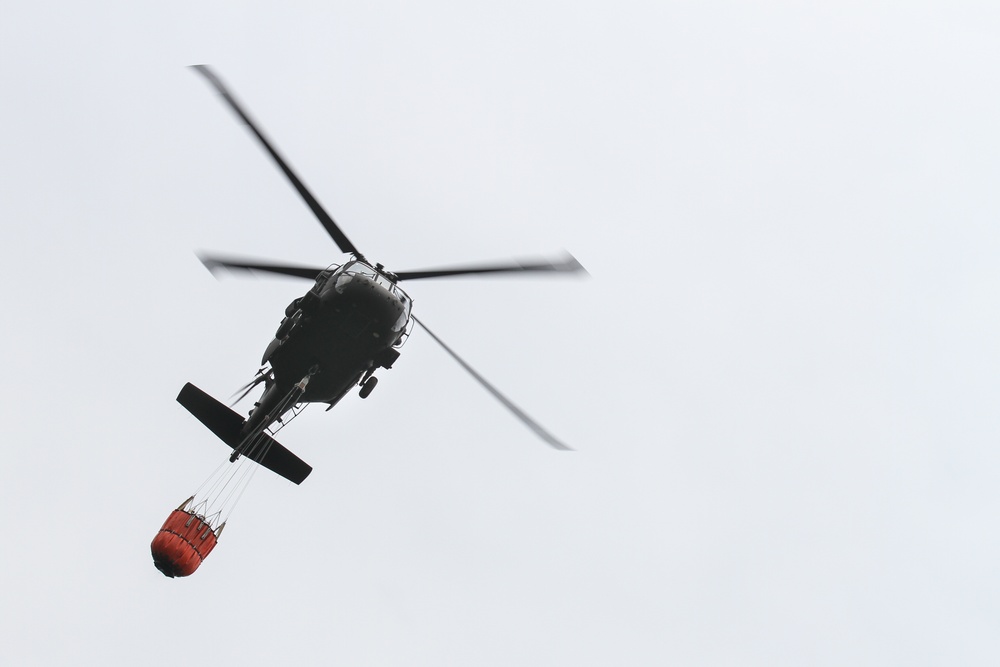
pixel 324 218
pixel 518 412
pixel 567 265
pixel 213 264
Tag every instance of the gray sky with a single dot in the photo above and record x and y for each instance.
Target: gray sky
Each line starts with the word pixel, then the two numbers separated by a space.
pixel 781 379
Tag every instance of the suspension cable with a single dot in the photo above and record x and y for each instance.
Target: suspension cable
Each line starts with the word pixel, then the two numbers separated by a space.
pixel 217 497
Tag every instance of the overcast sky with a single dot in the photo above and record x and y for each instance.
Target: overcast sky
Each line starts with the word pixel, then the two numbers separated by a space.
pixel 781 378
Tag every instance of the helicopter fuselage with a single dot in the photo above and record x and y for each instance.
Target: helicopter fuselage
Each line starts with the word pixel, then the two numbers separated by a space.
pixel 350 323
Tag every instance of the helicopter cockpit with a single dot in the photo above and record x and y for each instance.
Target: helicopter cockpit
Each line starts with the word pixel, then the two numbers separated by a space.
pixel 358 271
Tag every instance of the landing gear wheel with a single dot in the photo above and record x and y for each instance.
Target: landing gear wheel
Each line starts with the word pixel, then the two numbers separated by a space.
pixel 368 387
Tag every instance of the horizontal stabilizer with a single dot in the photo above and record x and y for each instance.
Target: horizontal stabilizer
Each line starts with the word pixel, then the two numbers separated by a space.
pixel 226 424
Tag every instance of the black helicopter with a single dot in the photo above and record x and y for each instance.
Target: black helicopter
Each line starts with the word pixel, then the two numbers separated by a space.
pixel 333 338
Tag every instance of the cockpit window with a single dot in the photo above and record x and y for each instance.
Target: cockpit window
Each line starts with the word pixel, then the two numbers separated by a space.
pixel 361 269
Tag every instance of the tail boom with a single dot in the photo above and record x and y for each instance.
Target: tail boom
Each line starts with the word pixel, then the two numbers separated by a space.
pixel 227 424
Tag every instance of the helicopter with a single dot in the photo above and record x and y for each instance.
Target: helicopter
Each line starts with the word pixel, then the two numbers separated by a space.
pixel 335 337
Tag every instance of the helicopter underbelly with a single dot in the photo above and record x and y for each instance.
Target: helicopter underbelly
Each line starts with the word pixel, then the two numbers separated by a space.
pixel 351 327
